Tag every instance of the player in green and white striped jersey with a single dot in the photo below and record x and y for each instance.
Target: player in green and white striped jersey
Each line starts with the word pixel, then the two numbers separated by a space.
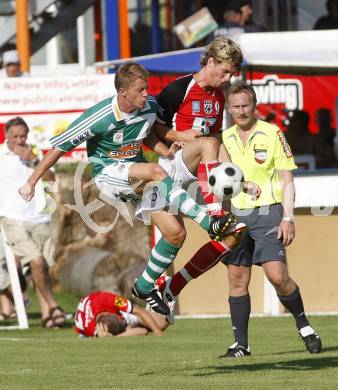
pixel 114 131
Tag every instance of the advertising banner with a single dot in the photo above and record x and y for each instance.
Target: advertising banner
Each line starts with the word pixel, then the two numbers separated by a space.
pixel 278 94
pixel 50 104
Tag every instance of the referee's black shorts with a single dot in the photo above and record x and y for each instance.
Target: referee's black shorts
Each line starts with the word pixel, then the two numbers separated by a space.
pixel 259 242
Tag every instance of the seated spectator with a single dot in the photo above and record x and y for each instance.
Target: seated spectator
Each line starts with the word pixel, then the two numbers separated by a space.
pixel 325 156
pixel 299 138
pixel 329 21
pixel 11 65
pixel 27 225
pixel 103 314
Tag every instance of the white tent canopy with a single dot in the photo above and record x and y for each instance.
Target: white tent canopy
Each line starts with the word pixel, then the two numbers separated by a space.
pixel 295 51
pixel 309 51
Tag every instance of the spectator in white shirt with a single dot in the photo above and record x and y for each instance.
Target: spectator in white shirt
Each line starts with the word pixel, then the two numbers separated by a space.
pixel 26 226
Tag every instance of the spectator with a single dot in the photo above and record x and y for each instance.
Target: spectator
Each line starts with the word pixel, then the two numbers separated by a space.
pixel 299 138
pixel 104 314
pixel 325 156
pixel 237 20
pixel 11 63
pixel 26 225
pixel 231 27
pixel 329 21
pixel 247 21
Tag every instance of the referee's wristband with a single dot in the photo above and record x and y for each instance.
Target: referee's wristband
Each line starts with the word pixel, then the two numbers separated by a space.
pixel 288 219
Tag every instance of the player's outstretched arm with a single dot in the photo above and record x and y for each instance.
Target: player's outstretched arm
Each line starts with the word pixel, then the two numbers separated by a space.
pixel 28 189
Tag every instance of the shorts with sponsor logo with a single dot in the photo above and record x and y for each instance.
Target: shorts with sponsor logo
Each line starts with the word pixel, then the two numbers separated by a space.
pixel 177 168
pixel 259 242
pixel 29 241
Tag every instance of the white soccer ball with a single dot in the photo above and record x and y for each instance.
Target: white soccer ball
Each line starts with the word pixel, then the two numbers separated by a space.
pixel 226 180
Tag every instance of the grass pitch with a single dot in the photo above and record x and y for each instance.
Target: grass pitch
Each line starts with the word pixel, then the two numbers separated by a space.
pixel 185 358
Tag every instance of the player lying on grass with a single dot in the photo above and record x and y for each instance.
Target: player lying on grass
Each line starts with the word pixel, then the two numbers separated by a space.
pixel 104 314
pixel 115 130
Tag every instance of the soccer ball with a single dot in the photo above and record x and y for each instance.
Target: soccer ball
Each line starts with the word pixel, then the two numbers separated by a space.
pixel 226 180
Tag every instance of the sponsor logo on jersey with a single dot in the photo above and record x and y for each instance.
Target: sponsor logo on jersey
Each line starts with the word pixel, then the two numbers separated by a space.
pixel 82 137
pixel 119 301
pixel 208 106
pixel 128 150
pixel 261 155
pixel 196 106
pixel 285 145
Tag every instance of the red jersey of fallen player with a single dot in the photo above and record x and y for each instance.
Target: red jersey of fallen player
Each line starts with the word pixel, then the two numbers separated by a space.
pixel 95 303
pixel 184 105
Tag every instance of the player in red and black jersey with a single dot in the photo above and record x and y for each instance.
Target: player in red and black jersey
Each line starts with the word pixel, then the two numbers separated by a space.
pixel 191 113
pixel 188 105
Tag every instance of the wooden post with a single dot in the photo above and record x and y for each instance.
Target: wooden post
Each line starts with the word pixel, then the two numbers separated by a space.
pixel 124 30
pixel 22 34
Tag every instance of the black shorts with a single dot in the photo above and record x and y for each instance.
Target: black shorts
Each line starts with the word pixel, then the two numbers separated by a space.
pixel 259 242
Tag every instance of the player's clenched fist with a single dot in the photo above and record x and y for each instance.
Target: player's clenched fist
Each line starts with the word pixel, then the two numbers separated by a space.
pixel 26 192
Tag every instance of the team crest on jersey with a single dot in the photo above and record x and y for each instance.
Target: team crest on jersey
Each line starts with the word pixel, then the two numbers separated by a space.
pixel 208 106
pixel 196 106
pixel 118 137
pixel 217 107
pixel 261 155
pixel 82 137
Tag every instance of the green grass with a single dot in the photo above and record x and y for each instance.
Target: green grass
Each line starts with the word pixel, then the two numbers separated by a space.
pixel 184 358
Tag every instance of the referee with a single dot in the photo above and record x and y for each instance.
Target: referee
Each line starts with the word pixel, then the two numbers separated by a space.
pixel 263 154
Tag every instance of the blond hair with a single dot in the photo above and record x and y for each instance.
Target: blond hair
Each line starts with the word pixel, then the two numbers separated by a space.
pixel 223 49
pixel 127 73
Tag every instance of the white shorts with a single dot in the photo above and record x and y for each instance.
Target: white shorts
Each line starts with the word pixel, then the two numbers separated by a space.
pixel 131 319
pixel 177 168
pixel 113 182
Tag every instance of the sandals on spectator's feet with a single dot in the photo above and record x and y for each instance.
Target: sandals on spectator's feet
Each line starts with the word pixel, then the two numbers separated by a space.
pixel 58 316
pixel 47 323
pixel 8 317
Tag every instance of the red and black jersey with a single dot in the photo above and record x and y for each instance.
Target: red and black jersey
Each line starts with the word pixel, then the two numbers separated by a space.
pixel 184 105
pixel 95 303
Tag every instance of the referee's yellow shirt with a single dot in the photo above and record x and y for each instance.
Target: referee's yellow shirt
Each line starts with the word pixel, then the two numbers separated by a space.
pixel 265 152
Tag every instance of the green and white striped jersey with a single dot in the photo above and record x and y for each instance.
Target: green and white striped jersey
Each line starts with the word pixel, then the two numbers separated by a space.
pixel 110 135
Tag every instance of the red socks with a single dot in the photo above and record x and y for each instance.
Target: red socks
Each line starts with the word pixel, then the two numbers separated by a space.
pixel 213 204
pixel 203 260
